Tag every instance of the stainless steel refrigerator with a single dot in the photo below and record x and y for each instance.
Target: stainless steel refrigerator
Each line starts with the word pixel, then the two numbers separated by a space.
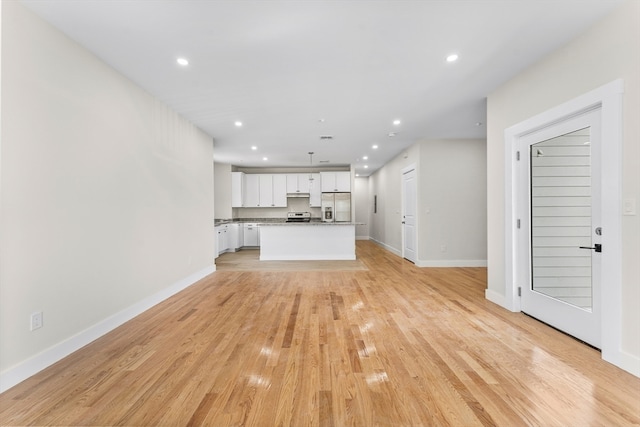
pixel 336 207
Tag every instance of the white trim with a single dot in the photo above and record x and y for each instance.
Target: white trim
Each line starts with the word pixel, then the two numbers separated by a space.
pixel 48 357
pixel 362 237
pixel 453 263
pixel 494 297
pixel 609 98
pixel 405 170
pixel 628 362
pixel 387 247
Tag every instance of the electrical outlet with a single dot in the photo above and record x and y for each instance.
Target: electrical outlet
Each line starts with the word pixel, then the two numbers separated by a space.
pixel 443 248
pixel 36 321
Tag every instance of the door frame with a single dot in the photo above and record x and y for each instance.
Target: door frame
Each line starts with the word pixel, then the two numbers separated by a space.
pixel 402 204
pixel 609 99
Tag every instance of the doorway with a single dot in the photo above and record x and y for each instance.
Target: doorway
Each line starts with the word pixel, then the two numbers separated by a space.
pixel 606 99
pixel 409 207
pixel 561 243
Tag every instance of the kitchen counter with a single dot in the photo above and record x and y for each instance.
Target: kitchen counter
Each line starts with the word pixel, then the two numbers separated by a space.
pixel 307 241
pixel 312 223
pixel 219 221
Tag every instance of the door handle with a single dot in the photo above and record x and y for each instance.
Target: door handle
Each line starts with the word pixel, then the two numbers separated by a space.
pixel 597 247
pixel 403 222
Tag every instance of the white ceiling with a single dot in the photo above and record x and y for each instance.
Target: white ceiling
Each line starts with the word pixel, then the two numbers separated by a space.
pixel 281 66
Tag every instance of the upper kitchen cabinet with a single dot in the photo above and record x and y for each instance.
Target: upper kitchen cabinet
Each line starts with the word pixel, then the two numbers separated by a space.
pixel 298 183
pixel 336 182
pixel 273 190
pixel 251 191
pixel 315 191
pixel 237 189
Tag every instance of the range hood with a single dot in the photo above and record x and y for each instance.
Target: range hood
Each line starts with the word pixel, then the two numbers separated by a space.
pixel 298 195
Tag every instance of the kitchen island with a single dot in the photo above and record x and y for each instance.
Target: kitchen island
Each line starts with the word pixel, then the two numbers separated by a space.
pixel 307 241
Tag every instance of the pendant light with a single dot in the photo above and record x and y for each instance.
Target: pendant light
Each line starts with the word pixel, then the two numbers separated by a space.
pixel 311 165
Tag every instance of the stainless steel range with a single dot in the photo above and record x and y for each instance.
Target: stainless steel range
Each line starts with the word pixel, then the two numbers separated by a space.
pixel 298 217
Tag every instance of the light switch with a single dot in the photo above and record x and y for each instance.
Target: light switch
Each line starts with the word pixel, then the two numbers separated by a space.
pixel 629 207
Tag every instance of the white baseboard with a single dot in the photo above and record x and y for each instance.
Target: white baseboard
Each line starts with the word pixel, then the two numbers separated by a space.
pixel 48 357
pixel 387 247
pixel 453 263
pixel 623 360
pixel 362 237
pixel 495 298
pixel 629 363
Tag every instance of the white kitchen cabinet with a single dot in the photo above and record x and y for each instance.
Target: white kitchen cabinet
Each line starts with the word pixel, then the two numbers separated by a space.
pixel 280 190
pixel 292 183
pixel 251 234
pixel 223 238
pixel 272 190
pixel 298 183
pixel 234 236
pixel 237 189
pixel 315 191
pixel 336 182
pixel 266 190
pixel 251 191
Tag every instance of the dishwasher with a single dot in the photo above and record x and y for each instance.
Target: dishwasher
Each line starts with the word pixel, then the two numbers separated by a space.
pixel 251 234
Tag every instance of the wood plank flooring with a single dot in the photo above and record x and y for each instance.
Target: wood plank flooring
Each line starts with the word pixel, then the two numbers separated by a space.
pixel 394 345
pixel 249 260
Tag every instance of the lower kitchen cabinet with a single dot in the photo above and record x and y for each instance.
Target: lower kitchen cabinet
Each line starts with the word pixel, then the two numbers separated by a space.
pixel 230 237
pixel 235 236
pixel 222 233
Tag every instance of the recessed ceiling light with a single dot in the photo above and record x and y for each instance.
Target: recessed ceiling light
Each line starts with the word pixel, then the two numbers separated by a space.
pixel 366 166
pixel 357 174
pixel 321 120
pixel 238 123
pixel 396 122
pixel 254 148
pixel 182 61
pixel 265 159
pixel 452 58
pixel 392 134
pixel 365 157
pixel 375 147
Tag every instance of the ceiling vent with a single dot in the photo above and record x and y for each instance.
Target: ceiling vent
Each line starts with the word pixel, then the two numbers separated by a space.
pixel 326 137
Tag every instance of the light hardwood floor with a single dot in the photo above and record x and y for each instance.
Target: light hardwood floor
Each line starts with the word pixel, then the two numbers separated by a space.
pixel 394 345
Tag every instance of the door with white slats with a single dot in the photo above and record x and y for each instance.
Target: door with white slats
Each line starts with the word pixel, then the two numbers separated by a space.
pixel 561 165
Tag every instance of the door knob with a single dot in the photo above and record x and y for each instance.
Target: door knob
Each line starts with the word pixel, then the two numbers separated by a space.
pixel 597 247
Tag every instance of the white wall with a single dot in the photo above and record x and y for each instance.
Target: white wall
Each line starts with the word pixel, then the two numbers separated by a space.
pixel 607 51
pixel 451 202
pixel 363 206
pixel 107 195
pixel 452 205
pixel 222 180
pixel 386 184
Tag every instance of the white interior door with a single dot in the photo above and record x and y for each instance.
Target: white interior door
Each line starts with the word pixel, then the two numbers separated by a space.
pixel 409 196
pixel 559 214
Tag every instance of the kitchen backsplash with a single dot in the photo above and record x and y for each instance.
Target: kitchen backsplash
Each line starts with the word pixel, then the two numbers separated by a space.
pixel 294 204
